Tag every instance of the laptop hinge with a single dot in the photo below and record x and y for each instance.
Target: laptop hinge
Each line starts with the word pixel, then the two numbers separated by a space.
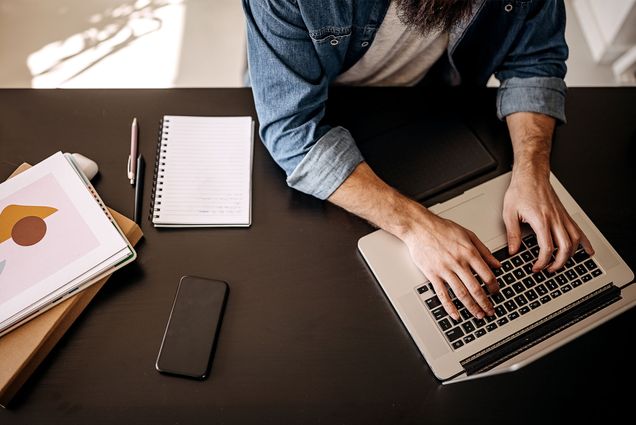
pixel 539 331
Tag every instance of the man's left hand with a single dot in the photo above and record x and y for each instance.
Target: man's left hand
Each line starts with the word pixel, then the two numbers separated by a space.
pixel 531 199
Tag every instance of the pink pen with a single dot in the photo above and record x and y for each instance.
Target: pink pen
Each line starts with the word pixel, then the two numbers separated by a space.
pixel 132 164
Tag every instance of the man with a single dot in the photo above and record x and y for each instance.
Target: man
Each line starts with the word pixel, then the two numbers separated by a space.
pixel 297 49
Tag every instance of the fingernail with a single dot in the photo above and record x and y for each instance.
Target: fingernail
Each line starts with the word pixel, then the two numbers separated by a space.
pixel 480 315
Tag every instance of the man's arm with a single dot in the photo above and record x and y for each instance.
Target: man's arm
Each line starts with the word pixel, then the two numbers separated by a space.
pixel 530 197
pixel 443 250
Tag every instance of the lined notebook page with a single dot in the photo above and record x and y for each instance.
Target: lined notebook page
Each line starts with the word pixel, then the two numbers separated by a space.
pixel 204 172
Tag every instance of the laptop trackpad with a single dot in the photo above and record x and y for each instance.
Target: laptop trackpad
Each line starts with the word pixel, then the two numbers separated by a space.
pixel 479 215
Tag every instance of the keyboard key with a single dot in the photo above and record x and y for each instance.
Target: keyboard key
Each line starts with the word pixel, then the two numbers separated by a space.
pixel 502 321
pixel 569 263
pixel 517 260
pixel 458 304
pixel 586 278
pixel 519 274
pixel 422 289
pixel 597 272
pixel 529 282
pixel 468 327
pixel 527 268
pixel 497 272
pixel 513 315
pixel 497 298
pixel 439 312
pixel 566 288
pixel 580 269
pixel 510 305
pixel 500 311
pixel 545 299
pixel 526 256
pixel 480 333
pixel 580 256
pixel 507 266
pixel 433 302
pixel 541 289
pixel 469 338
pixel 524 310
pixel 501 254
pixel 555 294
pixel 532 295
pixel 491 327
pixel 465 314
pixel 590 264
pixel 454 334
pixel 571 274
pixel 430 286
pixel 530 240
pixel 457 344
pixel 479 322
pixel 445 324
pixel 509 278
pixel 534 304
pixel 508 292
pixel 539 277
pixel 518 287
pixel 576 283
pixel 521 300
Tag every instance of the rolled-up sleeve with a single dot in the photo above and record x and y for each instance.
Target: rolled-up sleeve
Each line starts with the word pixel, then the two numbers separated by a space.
pixel 532 74
pixel 327 164
pixel 544 95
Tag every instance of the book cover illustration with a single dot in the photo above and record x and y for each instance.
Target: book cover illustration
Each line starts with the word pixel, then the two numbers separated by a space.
pixel 40 233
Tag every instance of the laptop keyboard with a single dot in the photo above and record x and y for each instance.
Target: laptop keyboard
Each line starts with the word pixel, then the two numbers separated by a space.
pixel 520 291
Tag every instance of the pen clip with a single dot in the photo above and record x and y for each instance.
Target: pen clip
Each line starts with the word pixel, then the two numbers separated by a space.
pixel 129 168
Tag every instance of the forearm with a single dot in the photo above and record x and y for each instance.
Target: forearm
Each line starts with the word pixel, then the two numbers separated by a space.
pixel 364 194
pixel 531 135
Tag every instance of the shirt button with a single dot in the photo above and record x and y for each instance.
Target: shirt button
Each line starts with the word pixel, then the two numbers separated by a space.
pixel 508 7
pixel 364 44
pixel 334 42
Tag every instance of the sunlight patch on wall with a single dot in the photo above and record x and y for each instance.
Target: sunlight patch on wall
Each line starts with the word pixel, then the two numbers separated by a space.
pixel 146 33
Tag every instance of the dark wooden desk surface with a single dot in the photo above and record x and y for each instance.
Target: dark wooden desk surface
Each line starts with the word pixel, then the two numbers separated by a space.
pixel 308 335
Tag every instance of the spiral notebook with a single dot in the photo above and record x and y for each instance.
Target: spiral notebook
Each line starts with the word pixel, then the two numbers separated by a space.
pixel 203 172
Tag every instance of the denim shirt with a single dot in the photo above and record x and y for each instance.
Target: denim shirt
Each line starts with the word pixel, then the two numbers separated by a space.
pixel 297 48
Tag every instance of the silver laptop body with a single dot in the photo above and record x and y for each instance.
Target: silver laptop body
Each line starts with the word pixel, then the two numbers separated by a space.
pixel 576 303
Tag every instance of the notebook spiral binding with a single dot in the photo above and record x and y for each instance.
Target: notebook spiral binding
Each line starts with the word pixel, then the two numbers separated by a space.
pixel 157 177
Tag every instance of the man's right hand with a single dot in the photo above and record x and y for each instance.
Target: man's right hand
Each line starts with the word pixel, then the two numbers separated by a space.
pixel 445 252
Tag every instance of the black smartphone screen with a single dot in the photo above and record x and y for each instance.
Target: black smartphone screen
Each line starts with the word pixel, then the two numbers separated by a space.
pixel 193 327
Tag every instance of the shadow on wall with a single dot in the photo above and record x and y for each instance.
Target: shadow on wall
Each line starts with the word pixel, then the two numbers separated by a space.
pixel 87 37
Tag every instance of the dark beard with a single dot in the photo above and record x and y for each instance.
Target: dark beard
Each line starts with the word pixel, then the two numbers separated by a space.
pixel 428 16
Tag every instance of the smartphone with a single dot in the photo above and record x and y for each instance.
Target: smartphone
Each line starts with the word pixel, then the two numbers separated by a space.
pixel 193 327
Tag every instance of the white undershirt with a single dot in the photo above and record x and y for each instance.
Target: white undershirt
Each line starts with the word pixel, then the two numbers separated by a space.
pixel 398 56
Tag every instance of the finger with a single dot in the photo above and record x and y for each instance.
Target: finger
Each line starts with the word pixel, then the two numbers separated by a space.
pixel 583 240
pixel 442 293
pixel 486 275
pixel 546 246
pixel 513 231
pixel 575 235
pixel 477 292
pixel 484 252
pixel 564 247
pixel 463 294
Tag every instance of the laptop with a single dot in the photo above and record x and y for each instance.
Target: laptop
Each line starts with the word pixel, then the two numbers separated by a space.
pixel 535 312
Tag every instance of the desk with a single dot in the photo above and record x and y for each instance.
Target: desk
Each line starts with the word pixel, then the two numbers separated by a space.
pixel 308 336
